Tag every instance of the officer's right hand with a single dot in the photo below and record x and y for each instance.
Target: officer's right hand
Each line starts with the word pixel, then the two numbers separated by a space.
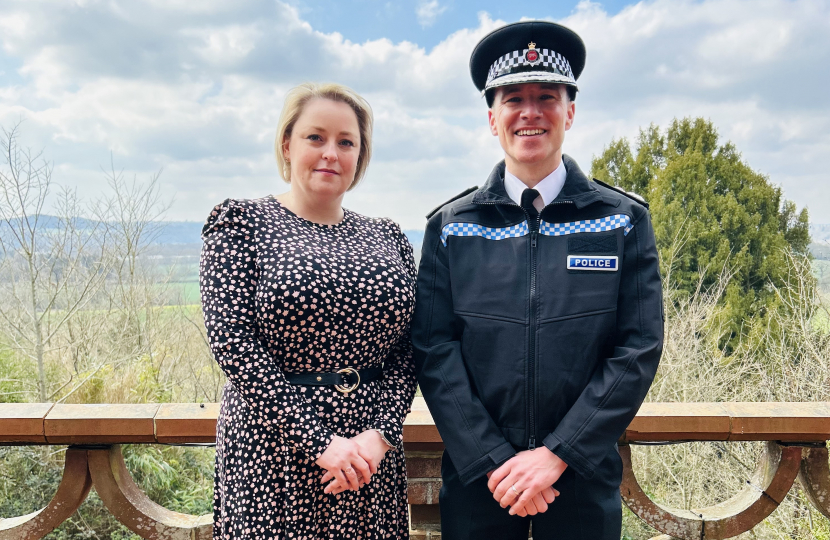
pixel 537 504
pixel 523 477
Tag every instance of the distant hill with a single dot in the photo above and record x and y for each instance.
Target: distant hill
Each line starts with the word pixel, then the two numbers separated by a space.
pixel 820 250
pixel 178 232
pixel 820 232
pixel 189 232
pixel 820 247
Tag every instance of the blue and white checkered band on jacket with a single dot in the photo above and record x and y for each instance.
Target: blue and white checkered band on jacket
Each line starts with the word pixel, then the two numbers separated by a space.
pixel 471 229
pixel 587 225
pixel 548 61
pixel 548 229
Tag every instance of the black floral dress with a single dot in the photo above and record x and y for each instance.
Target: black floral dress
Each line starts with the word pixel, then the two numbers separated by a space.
pixel 281 294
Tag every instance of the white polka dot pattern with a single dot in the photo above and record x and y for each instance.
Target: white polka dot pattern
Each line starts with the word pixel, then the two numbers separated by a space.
pixel 282 294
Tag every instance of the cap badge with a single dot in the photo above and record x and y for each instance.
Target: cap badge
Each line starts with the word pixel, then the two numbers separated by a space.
pixel 532 56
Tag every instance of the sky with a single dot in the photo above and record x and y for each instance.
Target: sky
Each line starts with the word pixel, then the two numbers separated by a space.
pixel 193 89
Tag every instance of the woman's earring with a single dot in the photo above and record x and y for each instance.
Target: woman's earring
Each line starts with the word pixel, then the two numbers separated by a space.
pixel 286 169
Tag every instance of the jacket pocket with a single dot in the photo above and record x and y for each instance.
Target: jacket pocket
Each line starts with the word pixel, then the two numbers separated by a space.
pixel 567 360
pixel 489 277
pixel 494 354
pixel 579 274
pixel 603 243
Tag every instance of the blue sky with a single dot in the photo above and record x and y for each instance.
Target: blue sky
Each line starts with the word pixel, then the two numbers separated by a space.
pixel 194 89
pixel 362 20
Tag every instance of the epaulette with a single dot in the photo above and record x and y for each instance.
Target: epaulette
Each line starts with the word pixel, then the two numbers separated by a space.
pixel 445 203
pixel 630 194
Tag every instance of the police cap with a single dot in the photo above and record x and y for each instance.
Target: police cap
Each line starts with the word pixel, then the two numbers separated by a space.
pixel 527 52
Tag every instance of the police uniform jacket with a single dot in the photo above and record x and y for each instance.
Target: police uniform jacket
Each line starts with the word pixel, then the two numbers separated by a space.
pixel 537 331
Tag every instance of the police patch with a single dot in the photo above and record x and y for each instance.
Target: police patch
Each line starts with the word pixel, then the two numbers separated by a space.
pixel 593 262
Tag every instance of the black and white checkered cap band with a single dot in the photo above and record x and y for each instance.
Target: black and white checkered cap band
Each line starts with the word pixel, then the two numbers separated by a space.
pixel 549 62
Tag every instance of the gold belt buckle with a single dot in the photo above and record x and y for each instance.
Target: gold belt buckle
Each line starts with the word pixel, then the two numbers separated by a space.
pixel 347 389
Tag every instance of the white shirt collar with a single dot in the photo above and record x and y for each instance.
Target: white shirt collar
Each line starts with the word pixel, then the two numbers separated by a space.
pixel 548 188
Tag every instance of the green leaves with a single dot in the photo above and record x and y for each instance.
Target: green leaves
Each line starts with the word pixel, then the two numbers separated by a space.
pixel 712 214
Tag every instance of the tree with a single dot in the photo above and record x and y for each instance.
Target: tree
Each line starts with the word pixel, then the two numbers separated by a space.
pixel 63 276
pixel 86 315
pixel 52 265
pixel 711 212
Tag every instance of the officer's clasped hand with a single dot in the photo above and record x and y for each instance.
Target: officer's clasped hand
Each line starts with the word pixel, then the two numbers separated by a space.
pixel 525 481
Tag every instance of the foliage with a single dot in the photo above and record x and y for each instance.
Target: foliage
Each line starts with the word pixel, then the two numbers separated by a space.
pixel 711 212
pixel 181 477
pixel 82 325
pixel 788 365
pixel 16 376
pixel 52 267
pixel 82 299
pixel 178 478
pixel 821 270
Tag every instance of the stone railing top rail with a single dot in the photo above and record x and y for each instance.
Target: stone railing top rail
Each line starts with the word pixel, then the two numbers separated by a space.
pixel 49 423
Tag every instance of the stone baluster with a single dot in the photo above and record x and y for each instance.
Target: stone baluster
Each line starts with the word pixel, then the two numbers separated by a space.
pixel 777 469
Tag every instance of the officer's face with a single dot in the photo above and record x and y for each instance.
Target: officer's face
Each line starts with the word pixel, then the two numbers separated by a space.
pixel 530 121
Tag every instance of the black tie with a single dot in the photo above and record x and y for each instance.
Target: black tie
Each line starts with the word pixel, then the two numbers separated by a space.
pixel 528 196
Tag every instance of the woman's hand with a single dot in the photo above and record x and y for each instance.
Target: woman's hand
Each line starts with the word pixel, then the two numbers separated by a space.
pixel 343 460
pixel 372 448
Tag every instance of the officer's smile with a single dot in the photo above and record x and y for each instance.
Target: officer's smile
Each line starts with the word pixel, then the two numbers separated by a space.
pixel 530 132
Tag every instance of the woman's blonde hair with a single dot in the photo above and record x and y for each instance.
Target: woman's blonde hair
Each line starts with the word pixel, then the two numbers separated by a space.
pixel 296 101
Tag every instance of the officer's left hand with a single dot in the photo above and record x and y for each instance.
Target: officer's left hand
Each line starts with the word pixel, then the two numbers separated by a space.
pixel 531 472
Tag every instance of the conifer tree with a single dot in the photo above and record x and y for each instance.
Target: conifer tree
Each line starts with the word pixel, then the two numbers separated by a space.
pixel 712 213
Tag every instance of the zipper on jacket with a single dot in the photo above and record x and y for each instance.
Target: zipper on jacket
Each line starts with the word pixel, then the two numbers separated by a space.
pixel 533 226
pixel 534 308
pixel 531 345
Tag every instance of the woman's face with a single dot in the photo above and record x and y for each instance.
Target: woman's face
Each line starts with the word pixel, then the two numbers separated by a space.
pixel 323 149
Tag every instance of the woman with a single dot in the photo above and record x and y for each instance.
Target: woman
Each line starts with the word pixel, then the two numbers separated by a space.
pixel 307 308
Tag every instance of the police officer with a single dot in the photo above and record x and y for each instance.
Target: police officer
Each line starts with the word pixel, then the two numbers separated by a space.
pixel 538 326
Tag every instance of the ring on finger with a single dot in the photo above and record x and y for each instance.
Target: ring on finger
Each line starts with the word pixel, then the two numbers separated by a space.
pixel 349 470
pixel 513 487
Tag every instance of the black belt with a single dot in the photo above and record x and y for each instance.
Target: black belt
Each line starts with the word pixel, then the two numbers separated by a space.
pixel 345 380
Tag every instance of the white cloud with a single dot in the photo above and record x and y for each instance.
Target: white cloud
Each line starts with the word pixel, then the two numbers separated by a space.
pixel 750 67
pixel 227 44
pixel 428 12
pixel 197 91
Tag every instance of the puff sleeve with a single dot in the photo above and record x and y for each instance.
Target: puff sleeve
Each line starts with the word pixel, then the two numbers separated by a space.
pixel 399 382
pixel 228 276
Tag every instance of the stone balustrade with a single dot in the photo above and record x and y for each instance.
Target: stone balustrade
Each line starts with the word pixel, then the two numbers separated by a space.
pixel 796 435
